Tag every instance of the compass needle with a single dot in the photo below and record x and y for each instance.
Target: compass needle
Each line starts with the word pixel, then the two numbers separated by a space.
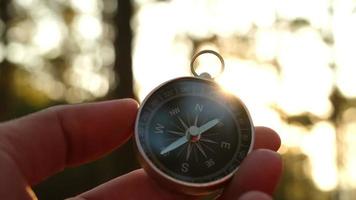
pixel 182 122
pixel 195 154
pixel 208 125
pixel 207 146
pixel 176 132
pixel 189 151
pixel 175 145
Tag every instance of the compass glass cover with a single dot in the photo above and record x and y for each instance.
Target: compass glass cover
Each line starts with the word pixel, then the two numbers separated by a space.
pixel 192 131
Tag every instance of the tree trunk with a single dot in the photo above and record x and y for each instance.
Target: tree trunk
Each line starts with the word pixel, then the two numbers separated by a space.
pixel 123 48
pixel 6 68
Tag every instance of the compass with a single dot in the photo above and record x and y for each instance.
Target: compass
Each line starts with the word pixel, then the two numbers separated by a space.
pixel 190 135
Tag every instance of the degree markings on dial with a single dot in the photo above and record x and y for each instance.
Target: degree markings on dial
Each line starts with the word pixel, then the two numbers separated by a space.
pixel 201 149
pixel 211 134
pixel 183 123
pixel 195 154
pixel 181 150
pixel 207 140
pixel 207 146
pixel 176 132
pixel 189 151
pixel 187 119
pixel 176 126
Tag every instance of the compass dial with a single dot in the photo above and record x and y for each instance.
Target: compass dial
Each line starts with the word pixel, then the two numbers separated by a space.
pixel 191 131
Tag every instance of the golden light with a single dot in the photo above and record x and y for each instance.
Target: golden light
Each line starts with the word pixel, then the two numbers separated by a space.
pixel 157 58
pixel 316 11
pixel 88 27
pixel 83 75
pixel 49 33
pixel 45 83
pixel 281 70
pixel 345 46
pixel 254 83
pixel 284 58
pixel 26 3
pixel 75 36
pixel 347 130
pixel 301 66
pixel 266 44
pixel 320 146
pixel 16 52
pixel 87 6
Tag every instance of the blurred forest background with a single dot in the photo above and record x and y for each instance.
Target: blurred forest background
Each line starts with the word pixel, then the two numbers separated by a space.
pixel 291 61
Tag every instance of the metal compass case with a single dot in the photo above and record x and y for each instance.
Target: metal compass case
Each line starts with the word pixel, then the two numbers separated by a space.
pixel 190 135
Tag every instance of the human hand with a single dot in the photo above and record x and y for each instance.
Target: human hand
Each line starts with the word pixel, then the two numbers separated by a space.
pixel 37 146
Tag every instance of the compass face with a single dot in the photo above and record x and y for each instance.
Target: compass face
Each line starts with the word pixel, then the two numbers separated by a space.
pixel 190 131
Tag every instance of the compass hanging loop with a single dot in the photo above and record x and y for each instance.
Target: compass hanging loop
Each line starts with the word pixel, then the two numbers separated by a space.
pixel 205 74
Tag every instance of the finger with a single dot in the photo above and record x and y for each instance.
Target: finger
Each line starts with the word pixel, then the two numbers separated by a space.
pixel 266 138
pixel 12 184
pixel 44 143
pixel 135 185
pixel 260 171
pixel 255 195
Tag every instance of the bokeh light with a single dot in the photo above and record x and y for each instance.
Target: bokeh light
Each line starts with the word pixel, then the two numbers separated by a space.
pixel 65 44
pixel 291 61
pixel 285 59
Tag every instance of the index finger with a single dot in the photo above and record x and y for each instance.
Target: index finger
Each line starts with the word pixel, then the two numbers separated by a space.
pixel 266 138
pixel 44 143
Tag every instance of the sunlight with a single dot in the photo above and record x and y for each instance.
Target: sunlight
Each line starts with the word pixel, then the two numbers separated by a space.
pixel 293 135
pixel 347 130
pixel 53 89
pixel 300 92
pixel 320 146
pixel 279 68
pixel 345 48
pixel 231 17
pixel 87 6
pixel 245 78
pixel 350 137
pixel 157 57
pixel 88 27
pixel 26 3
pixel 266 44
pixel 16 52
pixel 76 95
pixel 83 75
pixel 316 11
pixel 48 34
